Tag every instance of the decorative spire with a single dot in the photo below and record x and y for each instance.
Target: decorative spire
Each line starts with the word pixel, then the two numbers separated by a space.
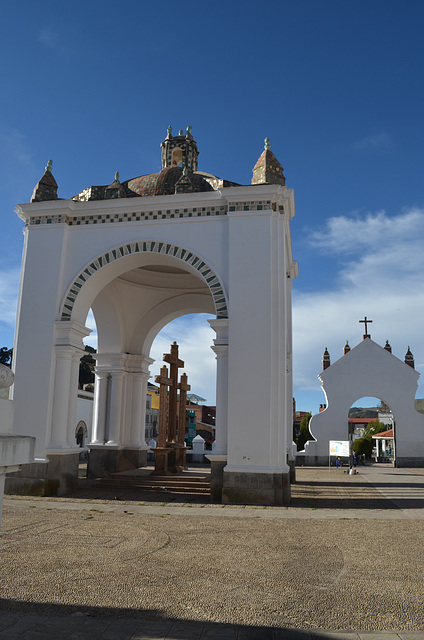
pixel 115 189
pixel 388 347
pixel 346 348
pixel 409 358
pixel 46 187
pixel 325 360
pixel 268 170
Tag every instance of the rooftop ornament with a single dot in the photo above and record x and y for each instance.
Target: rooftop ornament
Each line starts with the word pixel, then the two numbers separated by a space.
pixel 267 144
pixel 49 166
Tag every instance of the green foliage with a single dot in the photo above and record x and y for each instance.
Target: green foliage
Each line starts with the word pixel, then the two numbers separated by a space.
pixel 363 446
pixel 6 356
pixel 86 370
pixel 373 428
pixel 304 433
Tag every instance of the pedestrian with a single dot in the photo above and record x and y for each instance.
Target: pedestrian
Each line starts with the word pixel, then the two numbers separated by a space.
pixel 337 463
pixel 354 458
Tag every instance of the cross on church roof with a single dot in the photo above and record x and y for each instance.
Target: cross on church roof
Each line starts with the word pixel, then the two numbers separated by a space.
pixel 366 321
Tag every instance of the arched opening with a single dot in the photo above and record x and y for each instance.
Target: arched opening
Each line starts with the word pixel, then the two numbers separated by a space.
pixel 371 432
pixel 141 302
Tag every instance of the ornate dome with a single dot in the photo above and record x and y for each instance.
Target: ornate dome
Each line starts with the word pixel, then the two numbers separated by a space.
pixel 166 182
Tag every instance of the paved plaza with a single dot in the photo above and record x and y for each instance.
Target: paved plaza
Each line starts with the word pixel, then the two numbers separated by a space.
pixel 345 560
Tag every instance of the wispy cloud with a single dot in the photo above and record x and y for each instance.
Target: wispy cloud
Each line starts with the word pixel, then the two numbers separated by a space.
pixel 379 265
pixel 194 337
pixel 15 150
pixel 376 142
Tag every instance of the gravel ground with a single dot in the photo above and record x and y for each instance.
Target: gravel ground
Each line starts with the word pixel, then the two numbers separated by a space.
pixel 338 573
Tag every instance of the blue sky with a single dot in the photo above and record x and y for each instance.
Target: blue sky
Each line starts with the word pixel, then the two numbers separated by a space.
pixel 336 86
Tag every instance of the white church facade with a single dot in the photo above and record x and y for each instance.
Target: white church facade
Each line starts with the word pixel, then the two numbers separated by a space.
pixel 368 370
pixel 139 254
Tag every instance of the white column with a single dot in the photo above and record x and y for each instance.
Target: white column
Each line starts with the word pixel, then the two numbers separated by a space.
pixel 100 407
pixel 220 348
pixel 68 350
pixel 62 390
pixel 138 410
pixel 73 397
pixel 115 413
pixel 138 368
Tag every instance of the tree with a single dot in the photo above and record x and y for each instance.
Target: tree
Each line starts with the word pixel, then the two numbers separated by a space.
pixel 86 370
pixel 363 446
pixel 304 433
pixel 6 356
pixel 373 428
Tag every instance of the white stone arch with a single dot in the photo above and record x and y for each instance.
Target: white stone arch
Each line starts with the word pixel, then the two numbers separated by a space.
pixel 368 370
pixel 119 259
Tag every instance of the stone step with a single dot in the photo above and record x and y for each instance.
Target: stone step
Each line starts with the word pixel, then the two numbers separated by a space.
pixel 156 483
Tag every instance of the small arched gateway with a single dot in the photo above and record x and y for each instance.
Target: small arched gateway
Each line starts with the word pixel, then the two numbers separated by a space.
pixel 140 253
pixel 369 370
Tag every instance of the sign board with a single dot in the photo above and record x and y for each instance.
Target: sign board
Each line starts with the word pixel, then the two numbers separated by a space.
pixel 339 448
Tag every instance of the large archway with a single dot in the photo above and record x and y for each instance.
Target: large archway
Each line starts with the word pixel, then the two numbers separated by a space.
pixel 134 291
pixel 140 253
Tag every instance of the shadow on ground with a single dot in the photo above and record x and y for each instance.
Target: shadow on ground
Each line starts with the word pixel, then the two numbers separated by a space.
pixel 36 620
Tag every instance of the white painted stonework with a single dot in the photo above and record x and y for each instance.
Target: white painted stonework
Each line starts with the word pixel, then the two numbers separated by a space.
pixel 14 450
pixel 140 263
pixel 368 370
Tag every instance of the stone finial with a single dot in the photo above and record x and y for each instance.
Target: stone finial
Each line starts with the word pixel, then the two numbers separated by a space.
pixel 169 132
pixel 115 189
pixel 346 348
pixel 180 132
pixel 268 170
pixel 7 377
pixel 326 360
pixel 388 347
pixel 409 358
pixel 46 187
pixel 188 130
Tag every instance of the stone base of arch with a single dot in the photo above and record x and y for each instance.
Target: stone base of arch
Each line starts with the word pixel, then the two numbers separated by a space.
pixel 103 460
pixel 56 475
pixel 405 462
pixel 261 488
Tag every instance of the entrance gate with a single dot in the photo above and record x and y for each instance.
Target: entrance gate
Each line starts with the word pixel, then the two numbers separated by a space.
pixel 139 254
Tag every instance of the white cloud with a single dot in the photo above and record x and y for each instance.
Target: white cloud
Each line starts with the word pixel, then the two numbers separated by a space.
pixel 194 337
pixel 376 142
pixel 9 287
pixel 379 272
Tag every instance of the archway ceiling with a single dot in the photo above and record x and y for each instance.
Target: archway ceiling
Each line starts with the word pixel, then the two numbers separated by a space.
pixel 160 276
